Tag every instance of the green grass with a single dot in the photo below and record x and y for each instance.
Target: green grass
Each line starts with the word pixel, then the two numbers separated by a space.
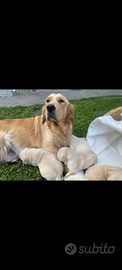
pixel 86 110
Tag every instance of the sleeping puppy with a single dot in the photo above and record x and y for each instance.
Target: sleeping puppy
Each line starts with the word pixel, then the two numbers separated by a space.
pixel 72 159
pixel 81 145
pixel 104 172
pixel 50 131
pixel 50 168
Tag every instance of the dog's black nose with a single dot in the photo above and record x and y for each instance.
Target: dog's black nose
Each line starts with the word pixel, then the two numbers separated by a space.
pixel 51 108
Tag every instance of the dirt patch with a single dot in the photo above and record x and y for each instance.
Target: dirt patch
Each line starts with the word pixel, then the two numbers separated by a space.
pixel 37 111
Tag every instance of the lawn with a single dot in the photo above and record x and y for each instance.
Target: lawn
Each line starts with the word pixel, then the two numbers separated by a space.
pixel 86 110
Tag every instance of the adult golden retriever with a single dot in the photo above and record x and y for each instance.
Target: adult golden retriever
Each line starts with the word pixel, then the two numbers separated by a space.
pixel 50 131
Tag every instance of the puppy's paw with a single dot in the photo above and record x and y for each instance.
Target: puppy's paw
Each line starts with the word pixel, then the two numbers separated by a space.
pixel 25 162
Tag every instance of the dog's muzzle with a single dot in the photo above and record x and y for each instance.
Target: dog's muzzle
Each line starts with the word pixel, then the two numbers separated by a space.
pixel 51 108
pixel 51 112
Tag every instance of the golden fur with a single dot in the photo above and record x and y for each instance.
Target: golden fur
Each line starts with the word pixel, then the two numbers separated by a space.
pixel 72 159
pixel 49 167
pixel 104 172
pixel 50 131
pixel 81 145
pixel 115 113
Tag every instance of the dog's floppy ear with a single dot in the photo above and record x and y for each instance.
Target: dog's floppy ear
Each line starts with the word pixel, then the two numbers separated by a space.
pixel 43 114
pixel 70 112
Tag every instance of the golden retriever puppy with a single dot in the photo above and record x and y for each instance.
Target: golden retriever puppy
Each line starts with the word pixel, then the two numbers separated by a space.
pixel 50 168
pixel 72 159
pixel 104 172
pixel 50 131
pixel 115 113
pixel 81 145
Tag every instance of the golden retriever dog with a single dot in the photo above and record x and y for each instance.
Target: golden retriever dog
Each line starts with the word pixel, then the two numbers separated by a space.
pixel 49 167
pixel 104 172
pixel 72 159
pixel 81 145
pixel 50 131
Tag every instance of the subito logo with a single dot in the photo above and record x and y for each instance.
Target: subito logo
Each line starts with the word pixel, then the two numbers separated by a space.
pixel 70 249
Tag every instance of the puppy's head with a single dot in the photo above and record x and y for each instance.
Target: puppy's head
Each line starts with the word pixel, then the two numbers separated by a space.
pixel 62 153
pixel 23 155
pixel 57 108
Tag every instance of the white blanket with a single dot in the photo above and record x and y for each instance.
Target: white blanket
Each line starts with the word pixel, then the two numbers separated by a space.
pixel 105 138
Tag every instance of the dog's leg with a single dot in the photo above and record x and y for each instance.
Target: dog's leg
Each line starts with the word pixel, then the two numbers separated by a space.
pixel 68 174
pixel 10 157
pixel 3 154
pixel 7 149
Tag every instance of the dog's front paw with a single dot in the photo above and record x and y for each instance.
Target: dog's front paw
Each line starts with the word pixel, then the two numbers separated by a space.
pixel 25 162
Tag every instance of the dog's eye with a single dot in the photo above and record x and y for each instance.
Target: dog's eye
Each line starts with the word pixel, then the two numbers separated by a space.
pixel 61 100
pixel 48 100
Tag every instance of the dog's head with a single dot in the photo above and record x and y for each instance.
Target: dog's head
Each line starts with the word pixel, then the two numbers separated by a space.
pixel 57 108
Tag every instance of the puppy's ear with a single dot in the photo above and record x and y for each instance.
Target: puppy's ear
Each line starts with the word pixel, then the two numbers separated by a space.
pixel 43 114
pixel 70 112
